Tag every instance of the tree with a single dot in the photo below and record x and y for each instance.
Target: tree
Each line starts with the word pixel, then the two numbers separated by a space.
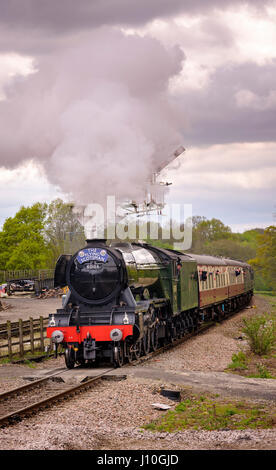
pixel 229 248
pixel 36 236
pixel 22 238
pixel 265 260
pixel 206 231
pixel 29 254
pixel 63 233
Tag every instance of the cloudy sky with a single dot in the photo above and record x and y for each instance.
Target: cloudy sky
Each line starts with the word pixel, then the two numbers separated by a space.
pixel 95 94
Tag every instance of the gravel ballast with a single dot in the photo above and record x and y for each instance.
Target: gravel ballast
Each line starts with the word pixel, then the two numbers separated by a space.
pixel 110 415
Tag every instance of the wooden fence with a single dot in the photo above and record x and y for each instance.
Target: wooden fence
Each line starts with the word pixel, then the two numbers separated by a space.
pixel 26 274
pixel 18 338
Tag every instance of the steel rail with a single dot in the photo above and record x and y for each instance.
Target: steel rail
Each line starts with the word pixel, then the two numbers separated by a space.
pixel 16 415
pixel 34 384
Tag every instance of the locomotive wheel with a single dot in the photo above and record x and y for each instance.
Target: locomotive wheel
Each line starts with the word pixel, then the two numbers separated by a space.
pixel 178 330
pixel 130 354
pixel 137 349
pixel 154 339
pixel 121 356
pixel 118 355
pixel 146 343
pixel 182 328
pixel 69 358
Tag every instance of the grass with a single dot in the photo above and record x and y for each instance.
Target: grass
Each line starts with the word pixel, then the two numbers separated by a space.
pixel 5 360
pixel 263 373
pixel 205 413
pixel 29 357
pixel 239 361
pixel 269 296
pixel 260 330
pixel 260 333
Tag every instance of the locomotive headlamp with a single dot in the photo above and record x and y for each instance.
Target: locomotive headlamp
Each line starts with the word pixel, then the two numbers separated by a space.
pixel 116 334
pixel 57 336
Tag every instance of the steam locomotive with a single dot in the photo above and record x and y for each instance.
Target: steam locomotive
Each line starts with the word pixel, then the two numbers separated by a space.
pixel 126 299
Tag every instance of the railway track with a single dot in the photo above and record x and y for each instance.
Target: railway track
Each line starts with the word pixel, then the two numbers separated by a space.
pixel 39 395
pixel 52 390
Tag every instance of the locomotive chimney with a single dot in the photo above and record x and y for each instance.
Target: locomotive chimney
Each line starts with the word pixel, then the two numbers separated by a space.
pixel 95 242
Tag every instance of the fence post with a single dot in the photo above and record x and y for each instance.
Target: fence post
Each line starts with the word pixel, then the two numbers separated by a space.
pixel 21 344
pixel 41 334
pixel 32 334
pixel 9 339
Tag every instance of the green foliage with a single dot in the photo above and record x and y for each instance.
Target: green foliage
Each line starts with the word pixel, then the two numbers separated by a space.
pixel 208 414
pixel 260 332
pixel 22 244
pixel 230 249
pixel 260 283
pixel 160 244
pixel 265 260
pixel 36 236
pixel 214 238
pixel 250 236
pixel 263 372
pixel 207 231
pixel 29 254
pixel 62 231
pixel 239 361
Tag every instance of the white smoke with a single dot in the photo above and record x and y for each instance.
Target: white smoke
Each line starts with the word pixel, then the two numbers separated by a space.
pixel 98 116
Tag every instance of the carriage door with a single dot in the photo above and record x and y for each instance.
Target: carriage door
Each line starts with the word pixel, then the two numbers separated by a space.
pixel 176 286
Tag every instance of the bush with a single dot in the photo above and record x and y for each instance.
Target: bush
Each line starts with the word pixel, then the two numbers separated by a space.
pixel 239 361
pixel 260 332
pixel 263 372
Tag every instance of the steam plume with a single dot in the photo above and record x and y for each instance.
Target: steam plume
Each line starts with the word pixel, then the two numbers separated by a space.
pixel 98 116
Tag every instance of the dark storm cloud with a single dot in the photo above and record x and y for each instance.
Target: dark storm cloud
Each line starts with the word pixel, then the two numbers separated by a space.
pixel 217 114
pixel 27 24
pixel 67 14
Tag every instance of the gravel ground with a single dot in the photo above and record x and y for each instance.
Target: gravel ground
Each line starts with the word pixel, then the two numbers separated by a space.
pixel 110 415
pixel 8 383
pixel 212 350
pixel 104 418
pixel 11 376
pixel 25 306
